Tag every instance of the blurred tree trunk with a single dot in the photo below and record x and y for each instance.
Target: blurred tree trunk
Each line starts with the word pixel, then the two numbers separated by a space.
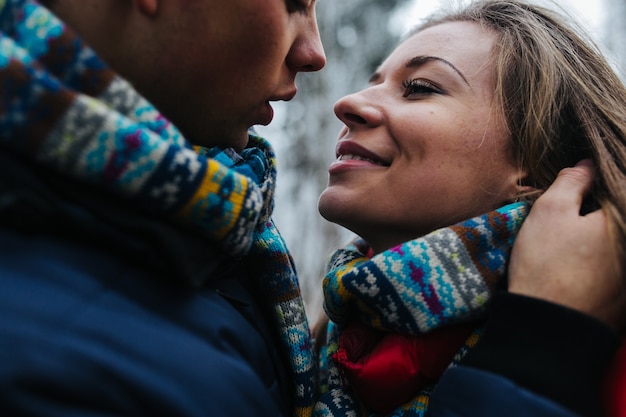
pixel 357 37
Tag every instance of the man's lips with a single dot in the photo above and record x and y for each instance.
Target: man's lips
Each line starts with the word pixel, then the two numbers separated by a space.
pixel 268 112
pixel 285 96
pixel 266 115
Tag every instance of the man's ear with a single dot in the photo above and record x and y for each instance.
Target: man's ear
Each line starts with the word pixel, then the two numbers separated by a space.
pixel 147 7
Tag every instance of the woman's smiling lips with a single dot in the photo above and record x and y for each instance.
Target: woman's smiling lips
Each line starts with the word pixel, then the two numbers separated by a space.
pixel 351 155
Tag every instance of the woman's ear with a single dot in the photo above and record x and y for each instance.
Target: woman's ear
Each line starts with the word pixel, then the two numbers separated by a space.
pixel 525 190
pixel 147 7
pixel 522 188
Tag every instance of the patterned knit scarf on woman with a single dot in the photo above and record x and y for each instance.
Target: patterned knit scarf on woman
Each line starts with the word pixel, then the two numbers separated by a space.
pixel 64 109
pixel 443 278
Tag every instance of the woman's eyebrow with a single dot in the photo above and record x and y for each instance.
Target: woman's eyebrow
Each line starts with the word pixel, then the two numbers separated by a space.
pixel 419 61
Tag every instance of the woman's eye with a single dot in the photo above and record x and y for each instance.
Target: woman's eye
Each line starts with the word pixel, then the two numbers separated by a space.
pixel 418 87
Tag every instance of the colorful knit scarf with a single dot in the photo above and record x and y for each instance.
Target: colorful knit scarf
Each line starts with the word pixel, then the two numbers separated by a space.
pixel 64 109
pixel 441 279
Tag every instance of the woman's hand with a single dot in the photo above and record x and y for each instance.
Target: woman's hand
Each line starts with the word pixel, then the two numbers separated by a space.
pixel 566 258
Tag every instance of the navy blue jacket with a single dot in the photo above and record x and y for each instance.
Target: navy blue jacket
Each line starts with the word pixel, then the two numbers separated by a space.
pixel 99 313
pixel 534 359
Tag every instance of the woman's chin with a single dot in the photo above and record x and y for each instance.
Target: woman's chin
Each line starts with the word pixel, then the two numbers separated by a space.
pixel 332 205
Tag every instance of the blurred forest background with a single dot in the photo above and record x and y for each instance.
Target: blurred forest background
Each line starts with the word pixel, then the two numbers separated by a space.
pixel 357 36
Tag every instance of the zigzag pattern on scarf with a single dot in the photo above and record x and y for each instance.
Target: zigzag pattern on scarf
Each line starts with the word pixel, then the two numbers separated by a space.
pixel 424 283
pixel 279 278
pixel 445 277
pixel 63 108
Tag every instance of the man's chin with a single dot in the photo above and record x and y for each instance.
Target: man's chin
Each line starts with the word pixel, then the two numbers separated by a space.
pixel 241 142
pixel 235 140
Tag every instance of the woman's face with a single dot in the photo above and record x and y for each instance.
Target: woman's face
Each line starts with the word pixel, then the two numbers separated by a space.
pixel 422 147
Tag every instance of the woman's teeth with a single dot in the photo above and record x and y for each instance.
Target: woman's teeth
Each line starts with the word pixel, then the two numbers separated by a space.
pixel 351 157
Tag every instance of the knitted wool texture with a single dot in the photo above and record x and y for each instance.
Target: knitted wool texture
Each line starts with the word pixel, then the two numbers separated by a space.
pixel 63 108
pixel 443 278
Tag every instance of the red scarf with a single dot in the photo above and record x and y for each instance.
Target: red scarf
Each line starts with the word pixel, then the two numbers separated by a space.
pixel 386 370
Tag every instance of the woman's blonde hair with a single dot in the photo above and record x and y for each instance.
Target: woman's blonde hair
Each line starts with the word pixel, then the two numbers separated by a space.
pixel 561 100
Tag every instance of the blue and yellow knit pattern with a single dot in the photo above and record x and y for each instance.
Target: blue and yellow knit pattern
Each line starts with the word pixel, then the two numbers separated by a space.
pixel 64 109
pixel 443 278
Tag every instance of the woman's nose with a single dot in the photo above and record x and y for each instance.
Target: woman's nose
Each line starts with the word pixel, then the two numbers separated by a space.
pixel 356 110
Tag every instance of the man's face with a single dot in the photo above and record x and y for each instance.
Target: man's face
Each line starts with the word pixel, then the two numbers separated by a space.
pixel 218 64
